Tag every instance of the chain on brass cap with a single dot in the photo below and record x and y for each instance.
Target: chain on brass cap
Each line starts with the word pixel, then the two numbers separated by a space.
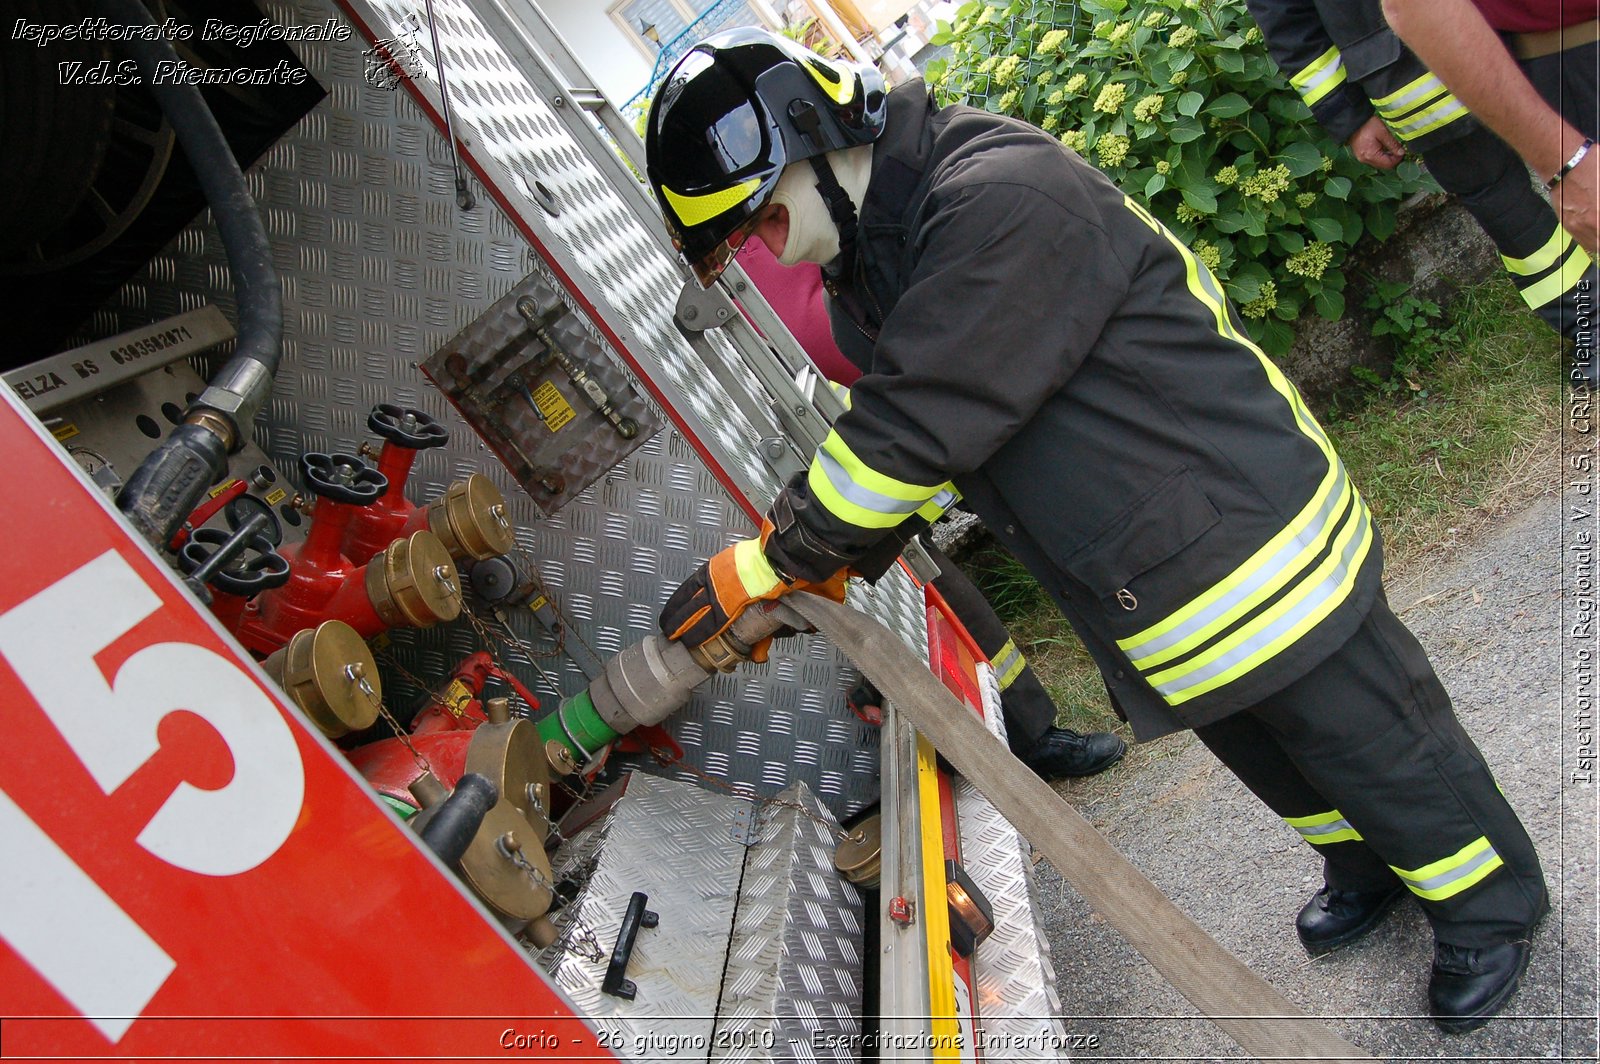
pixel 329 672
pixel 471 519
pixel 413 583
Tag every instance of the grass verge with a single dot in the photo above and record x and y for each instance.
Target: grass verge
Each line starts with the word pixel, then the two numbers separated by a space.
pixel 1470 432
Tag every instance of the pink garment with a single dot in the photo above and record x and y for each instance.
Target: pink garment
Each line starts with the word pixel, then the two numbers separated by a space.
pixel 795 293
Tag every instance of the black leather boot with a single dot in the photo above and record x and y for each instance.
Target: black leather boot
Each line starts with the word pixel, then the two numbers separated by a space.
pixel 1334 918
pixel 1063 752
pixel 1469 986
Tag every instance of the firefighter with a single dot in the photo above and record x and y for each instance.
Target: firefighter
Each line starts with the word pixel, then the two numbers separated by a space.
pixel 1369 92
pixel 795 293
pixel 1033 340
pixel 1549 110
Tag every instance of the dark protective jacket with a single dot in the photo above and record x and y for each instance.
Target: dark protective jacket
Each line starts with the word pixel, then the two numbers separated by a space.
pixel 1033 335
pixel 1347 64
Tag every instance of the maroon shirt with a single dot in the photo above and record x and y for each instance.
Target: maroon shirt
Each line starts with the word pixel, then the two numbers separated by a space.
pixel 1533 16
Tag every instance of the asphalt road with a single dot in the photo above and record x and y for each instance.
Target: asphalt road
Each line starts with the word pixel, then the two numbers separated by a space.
pixel 1496 625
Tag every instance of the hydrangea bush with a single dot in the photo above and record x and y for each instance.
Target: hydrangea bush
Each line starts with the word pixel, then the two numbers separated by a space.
pixel 1180 104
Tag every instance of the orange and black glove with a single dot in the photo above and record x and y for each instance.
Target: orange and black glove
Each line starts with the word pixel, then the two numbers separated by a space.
pixel 729 583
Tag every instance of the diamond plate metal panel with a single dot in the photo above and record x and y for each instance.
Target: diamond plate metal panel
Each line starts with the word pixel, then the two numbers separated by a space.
pixel 380 268
pixel 1016 983
pixel 793 985
pixel 672 841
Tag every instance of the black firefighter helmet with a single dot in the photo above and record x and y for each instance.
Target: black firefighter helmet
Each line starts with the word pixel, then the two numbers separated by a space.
pixel 736 110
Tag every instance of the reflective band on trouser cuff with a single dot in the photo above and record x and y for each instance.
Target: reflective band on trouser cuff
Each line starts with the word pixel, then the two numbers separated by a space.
pixel 755 572
pixel 1008 664
pixel 859 495
pixel 692 210
pixel 1454 874
pixel 1324 74
pixel 1551 288
pixel 1409 96
pixel 1324 828
pixel 1430 118
pixel 1543 259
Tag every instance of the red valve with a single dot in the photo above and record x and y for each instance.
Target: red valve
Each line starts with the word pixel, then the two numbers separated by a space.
pixel 411 583
pixel 404 432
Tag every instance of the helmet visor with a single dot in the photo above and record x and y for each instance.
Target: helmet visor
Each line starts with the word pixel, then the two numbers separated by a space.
pixel 708 267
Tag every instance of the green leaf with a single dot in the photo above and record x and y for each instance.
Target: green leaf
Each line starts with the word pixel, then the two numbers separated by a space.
pixel 1229 105
pixel 1276 338
pixel 1325 229
pixel 1338 187
pixel 1381 221
pixel 1330 304
pixel 1189 104
pixel 1301 158
pixel 1289 240
pixel 1201 199
pixel 1232 62
pixel 1246 282
pixel 1185 131
pixel 1156 183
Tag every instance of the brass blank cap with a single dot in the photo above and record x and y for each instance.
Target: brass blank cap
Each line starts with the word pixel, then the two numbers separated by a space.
pixel 859 858
pixel 471 519
pixel 329 672
pixel 413 583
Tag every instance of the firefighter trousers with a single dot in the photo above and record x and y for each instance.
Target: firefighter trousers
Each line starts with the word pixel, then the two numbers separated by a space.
pixel 1027 708
pixel 1555 277
pixel 1364 757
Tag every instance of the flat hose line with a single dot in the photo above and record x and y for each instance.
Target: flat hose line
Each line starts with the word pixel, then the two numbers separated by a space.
pixel 1233 997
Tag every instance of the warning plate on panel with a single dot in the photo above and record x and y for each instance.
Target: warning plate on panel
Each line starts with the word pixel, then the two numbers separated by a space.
pixel 553 406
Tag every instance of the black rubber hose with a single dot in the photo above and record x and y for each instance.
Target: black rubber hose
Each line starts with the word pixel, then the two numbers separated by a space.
pixel 450 831
pixel 170 482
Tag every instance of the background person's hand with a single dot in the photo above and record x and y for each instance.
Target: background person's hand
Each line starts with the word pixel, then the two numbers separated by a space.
pixel 1376 145
pixel 1577 201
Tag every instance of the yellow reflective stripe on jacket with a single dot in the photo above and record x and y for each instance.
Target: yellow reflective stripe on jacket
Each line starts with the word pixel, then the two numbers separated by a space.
pixel 1450 876
pixel 1544 258
pixel 755 572
pixel 692 210
pixel 1335 520
pixel 1252 583
pixel 857 494
pixel 1280 626
pixel 1429 119
pixel 1324 828
pixel 1320 77
pixel 1411 95
pixel 1008 665
pixel 1560 282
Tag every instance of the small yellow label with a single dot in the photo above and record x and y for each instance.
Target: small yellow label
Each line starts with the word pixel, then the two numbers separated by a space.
pixel 276 496
pixel 379 641
pixel 64 431
pixel 220 488
pixel 553 406
pixel 456 697
pixel 538 604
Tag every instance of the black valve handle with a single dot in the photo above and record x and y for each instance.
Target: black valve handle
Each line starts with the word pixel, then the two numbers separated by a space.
pixel 342 478
pixel 240 563
pixel 242 509
pixel 407 427
pixel 616 982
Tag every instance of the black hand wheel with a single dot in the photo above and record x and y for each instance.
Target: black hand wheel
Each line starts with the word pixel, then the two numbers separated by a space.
pixel 407 427
pixel 244 508
pixel 251 567
pixel 342 478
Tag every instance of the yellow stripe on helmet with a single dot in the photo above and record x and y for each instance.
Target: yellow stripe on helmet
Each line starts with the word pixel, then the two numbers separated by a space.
pixel 692 210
